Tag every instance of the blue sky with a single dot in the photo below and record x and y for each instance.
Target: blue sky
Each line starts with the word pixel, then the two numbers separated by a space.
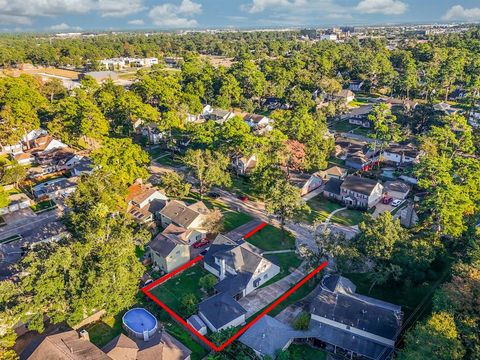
pixel 77 15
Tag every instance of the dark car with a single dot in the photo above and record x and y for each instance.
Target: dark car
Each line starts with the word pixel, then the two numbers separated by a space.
pixel 214 195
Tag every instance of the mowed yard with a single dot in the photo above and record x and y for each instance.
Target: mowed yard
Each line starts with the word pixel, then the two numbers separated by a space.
pixel 173 290
pixel 322 208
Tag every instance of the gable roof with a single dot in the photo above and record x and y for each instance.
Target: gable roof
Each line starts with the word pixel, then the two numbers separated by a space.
pixel 333 186
pixel 182 214
pixel 221 309
pixel 178 231
pixel 398 186
pixel 359 184
pixel 334 171
pixel 161 346
pixel 67 346
pixel 138 192
pixel 268 335
pixel 163 245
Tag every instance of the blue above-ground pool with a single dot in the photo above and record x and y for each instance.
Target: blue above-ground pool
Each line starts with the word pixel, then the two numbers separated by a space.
pixel 140 323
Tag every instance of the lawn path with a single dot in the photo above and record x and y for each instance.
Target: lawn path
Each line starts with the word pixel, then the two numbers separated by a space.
pixel 327 221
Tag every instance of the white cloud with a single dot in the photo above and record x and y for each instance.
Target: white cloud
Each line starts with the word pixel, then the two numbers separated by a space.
pixel 385 7
pixel 17 9
pixel 136 22
pixel 63 27
pixel 175 16
pixel 15 19
pixel 458 12
pixel 257 6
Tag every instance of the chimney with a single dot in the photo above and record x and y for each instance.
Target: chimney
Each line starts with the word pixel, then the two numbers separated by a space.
pixel 222 269
pixel 84 335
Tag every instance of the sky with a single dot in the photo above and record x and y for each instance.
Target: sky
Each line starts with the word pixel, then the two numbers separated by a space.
pixel 94 15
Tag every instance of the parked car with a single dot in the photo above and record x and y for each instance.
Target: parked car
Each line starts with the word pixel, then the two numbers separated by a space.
pixel 244 198
pixel 200 243
pixel 396 202
pixel 204 251
pixel 387 200
pixel 214 195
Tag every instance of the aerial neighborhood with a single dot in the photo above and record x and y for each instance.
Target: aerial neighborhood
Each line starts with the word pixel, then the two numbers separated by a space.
pixel 275 194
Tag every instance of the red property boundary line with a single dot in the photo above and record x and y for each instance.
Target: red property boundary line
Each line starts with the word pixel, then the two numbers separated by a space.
pixel 146 291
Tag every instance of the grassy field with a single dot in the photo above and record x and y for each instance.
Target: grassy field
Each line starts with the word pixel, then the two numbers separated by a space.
pixel 271 238
pixel 321 209
pixel 233 219
pixel 103 331
pixel 242 186
pixel 305 352
pixel 43 205
pixel 172 291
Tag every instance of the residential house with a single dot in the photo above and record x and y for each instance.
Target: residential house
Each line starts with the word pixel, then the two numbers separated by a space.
pixel 153 134
pixel 352 325
pixel 332 189
pixel 84 166
pixel 71 345
pixel 56 160
pixel 35 134
pixel 268 336
pixel 357 112
pixel 360 192
pixel 44 144
pixel 161 346
pixel 68 345
pixel 221 311
pixel 334 172
pixel 11 148
pixel 23 158
pixel 16 202
pixel 239 266
pixel 344 96
pixel 168 252
pixel 305 182
pixel 172 61
pixel 361 120
pixel 445 108
pixel 257 121
pixel 458 94
pixel 55 189
pixel 355 85
pixel 191 218
pixel 401 154
pixel 408 215
pixel 244 165
pixel 220 116
pixel 273 103
pixel 397 189
pixel 144 202
pixel 199 118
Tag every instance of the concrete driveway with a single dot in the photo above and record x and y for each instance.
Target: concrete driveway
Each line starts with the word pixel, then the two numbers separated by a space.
pixel 381 208
pixel 260 298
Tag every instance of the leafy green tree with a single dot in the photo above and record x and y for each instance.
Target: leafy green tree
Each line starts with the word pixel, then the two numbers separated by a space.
pixel 189 304
pixel 284 200
pixel 53 89
pixel 379 236
pixel 4 200
pixel 209 168
pixel 175 185
pixel 13 174
pixel 385 127
pixel 207 282
pixel 437 338
pixel 302 321
pixel 122 158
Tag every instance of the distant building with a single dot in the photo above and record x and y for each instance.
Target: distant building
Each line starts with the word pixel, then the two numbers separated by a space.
pixel 101 76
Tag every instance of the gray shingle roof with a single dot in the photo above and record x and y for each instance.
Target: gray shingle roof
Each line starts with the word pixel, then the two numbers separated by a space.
pixel 221 309
pixel 180 213
pixel 333 186
pixel 268 335
pixel 163 245
pixel 359 184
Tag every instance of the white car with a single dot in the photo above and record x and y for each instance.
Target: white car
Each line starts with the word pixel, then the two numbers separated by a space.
pixel 396 202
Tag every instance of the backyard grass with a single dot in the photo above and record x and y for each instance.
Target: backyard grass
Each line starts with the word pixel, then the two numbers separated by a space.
pixel 172 291
pixel 286 261
pixel 321 209
pixel 270 238
pixel 305 352
pixel 242 186
pixel 234 219
pixel 103 331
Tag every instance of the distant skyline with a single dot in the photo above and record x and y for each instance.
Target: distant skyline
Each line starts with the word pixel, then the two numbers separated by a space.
pixel 85 15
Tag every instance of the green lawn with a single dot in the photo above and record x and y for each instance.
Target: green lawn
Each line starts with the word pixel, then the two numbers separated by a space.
pixel 172 291
pixel 210 202
pixel 306 352
pixel 234 219
pixel 270 238
pixel 242 186
pixel 43 205
pixel 321 209
pixel 286 261
pixel 407 295
pixel 103 331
